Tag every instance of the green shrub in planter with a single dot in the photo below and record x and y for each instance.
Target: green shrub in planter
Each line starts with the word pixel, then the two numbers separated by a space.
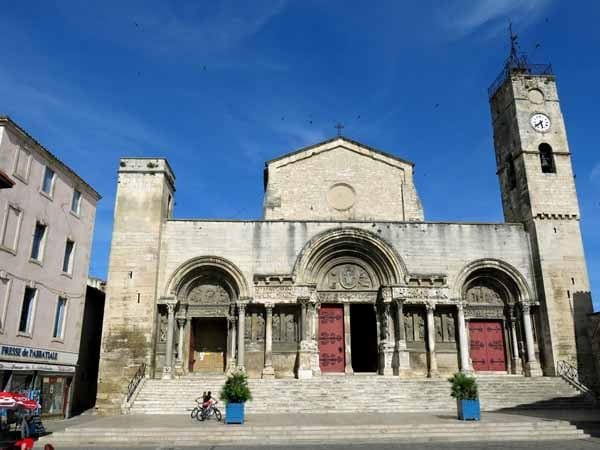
pixel 464 390
pixel 235 393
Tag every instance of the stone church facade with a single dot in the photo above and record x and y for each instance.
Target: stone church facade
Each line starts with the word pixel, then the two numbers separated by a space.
pixel 343 275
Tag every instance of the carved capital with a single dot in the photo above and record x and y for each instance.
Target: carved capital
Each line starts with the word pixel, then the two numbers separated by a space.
pixel 526 308
pixel 269 307
pixel 430 306
pixel 304 300
pixel 386 294
pixel 181 323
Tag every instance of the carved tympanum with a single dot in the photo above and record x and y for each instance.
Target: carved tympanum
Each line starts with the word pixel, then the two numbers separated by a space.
pixel 347 277
pixel 483 295
pixel 208 293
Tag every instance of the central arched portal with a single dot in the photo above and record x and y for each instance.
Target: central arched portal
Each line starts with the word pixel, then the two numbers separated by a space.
pixel 347 289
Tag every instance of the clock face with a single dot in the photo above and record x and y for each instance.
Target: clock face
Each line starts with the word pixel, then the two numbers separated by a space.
pixel 540 122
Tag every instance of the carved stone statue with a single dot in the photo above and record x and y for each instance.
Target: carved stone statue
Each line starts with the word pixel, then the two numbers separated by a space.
pixel 163 325
pixel 276 328
pixel 439 333
pixel 420 324
pixel 450 328
pixel 409 332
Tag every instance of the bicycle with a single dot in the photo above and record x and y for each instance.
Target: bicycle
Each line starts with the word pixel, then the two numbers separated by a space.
pixel 209 411
pixel 197 408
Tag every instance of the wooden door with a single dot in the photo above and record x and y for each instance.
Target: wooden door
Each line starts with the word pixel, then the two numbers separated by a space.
pixel 331 338
pixel 487 346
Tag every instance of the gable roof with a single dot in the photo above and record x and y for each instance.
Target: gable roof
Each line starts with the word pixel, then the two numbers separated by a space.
pixel 7 121
pixel 341 138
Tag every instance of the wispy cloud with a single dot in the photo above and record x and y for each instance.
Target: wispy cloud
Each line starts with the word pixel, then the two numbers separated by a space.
pixel 196 32
pixel 490 17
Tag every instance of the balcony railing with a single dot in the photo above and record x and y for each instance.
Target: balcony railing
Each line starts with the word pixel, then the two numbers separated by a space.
pixel 518 67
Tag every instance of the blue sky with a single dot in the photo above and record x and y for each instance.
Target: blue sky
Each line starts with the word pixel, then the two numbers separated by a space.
pixel 220 87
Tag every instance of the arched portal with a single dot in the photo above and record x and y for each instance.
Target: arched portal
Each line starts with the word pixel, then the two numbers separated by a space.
pixel 206 289
pixel 497 309
pixel 348 267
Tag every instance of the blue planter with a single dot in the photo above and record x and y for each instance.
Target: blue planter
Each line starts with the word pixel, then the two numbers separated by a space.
pixel 468 410
pixel 234 413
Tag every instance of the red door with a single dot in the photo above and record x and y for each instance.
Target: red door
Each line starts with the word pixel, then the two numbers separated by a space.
pixel 331 338
pixel 487 346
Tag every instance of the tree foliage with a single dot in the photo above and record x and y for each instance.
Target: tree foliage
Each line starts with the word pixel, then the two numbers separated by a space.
pixel 235 389
pixel 464 387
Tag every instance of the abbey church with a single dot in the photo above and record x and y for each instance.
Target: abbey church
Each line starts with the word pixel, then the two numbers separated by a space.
pixel 344 274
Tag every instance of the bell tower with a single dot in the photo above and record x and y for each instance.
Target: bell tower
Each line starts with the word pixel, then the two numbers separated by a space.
pixel 537 184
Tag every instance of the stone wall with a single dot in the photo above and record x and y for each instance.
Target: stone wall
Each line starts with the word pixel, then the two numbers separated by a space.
pixel 274 247
pixel 335 181
pixel 143 201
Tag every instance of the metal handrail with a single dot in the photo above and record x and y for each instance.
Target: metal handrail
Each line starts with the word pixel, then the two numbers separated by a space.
pixel 570 374
pixel 135 381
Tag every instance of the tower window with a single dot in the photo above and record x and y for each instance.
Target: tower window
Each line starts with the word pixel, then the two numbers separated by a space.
pixel 546 159
pixel 510 173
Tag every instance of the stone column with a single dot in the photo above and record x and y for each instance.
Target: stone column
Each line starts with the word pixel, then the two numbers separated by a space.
pixel 516 361
pixel 386 347
pixel 168 367
pixel 303 321
pixel 308 352
pixel 403 357
pixel 463 343
pixel 231 356
pixel 347 340
pixel 241 335
pixel 268 371
pixel 181 324
pixel 433 370
pixel 532 367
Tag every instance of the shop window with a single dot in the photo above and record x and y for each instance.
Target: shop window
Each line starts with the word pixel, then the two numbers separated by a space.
pixel 76 202
pixel 39 238
pixel 68 257
pixel 54 395
pixel 547 159
pixel 12 223
pixel 48 182
pixel 27 310
pixel 59 318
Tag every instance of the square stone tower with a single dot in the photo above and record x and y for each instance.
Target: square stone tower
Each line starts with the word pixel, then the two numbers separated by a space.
pixel 144 201
pixel 537 185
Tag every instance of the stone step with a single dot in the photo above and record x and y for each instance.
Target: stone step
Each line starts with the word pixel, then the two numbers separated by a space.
pixel 448 432
pixel 340 394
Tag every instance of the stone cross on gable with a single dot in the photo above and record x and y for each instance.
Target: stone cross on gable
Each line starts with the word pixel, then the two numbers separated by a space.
pixel 339 128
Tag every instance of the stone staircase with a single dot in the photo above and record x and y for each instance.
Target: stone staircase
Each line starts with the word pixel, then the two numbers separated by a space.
pixel 349 394
pixel 521 429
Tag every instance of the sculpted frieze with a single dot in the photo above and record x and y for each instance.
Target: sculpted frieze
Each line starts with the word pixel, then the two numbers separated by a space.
pixel 263 294
pixel 420 293
pixel 350 297
pixel 483 312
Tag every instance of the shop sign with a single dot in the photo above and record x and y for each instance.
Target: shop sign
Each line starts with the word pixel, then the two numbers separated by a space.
pixel 18 353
